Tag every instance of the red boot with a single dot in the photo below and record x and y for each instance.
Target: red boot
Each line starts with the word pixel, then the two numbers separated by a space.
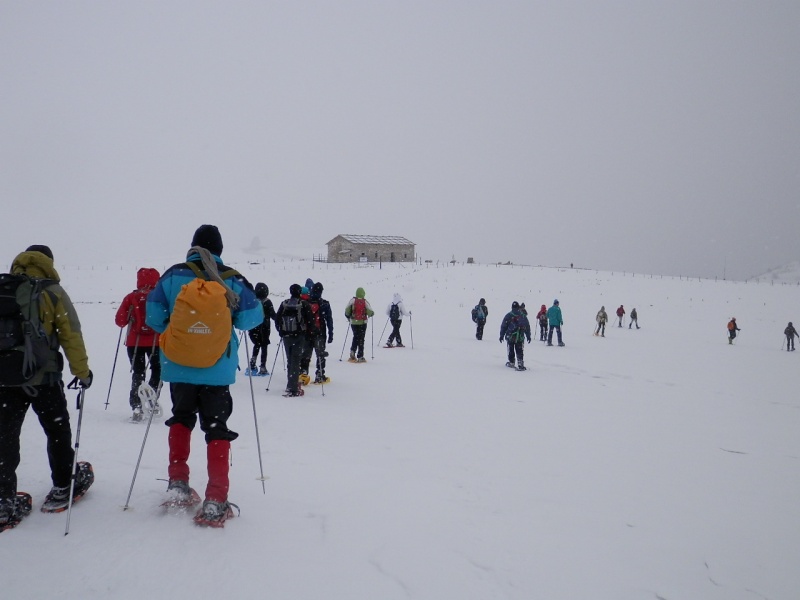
pixel 218 483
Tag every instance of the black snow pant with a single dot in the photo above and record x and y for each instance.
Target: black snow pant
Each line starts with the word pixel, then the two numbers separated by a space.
pixel 315 343
pixel 295 346
pixel 260 344
pixel 789 342
pixel 395 335
pixel 359 333
pixel 516 351
pixel 601 328
pixel 213 403
pixel 140 357
pixel 50 405
pixel 479 329
pixel 557 329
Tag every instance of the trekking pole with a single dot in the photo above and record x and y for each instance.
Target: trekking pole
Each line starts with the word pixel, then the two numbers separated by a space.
pixel 82 391
pixel 114 368
pixel 255 419
pixel 345 342
pixel 146 394
pixel 384 331
pixel 411 327
pixel 135 352
pixel 372 322
pixel 271 373
pixel 784 341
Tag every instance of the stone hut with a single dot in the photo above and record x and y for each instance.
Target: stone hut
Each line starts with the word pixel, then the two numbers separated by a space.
pixel 370 248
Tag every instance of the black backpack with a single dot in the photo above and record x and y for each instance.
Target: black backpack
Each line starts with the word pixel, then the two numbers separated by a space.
pixel 24 347
pixel 394 313
pixel 292 321
pixel 478 314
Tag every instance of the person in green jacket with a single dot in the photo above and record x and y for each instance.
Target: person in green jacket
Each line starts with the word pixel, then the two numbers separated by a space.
pixel 45 393
pixel 358 311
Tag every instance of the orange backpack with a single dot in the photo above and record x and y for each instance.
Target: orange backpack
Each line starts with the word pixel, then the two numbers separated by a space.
pixel 199 329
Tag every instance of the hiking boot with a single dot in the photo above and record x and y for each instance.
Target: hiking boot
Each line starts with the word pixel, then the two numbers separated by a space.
pixel 253 364
pixel 400 345
pixel 361 359
pixel 178 491
pixel 8 507
pixel 214 514
pixel 352 355
pixel 263 371
pixel 389 345
pixel 58 498
pixel 511 365
pixel 561 344
pixel 138 414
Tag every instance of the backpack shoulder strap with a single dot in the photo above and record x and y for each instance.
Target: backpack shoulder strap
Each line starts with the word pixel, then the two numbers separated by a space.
pixel 202 274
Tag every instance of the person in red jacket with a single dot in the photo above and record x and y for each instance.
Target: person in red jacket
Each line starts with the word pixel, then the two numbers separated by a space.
pixel 621 314
pixel 141 341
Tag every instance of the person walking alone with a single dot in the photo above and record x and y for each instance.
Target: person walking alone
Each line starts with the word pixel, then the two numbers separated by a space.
pixel 396 311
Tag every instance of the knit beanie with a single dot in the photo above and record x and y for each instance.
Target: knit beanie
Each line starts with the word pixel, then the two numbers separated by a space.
pixel 40 248
pixel 208 237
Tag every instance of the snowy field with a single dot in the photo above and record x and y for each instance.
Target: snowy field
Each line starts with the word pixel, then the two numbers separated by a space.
pixel 652 464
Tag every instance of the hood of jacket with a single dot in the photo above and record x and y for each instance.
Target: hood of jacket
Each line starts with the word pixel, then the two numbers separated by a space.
pixel 34 264
pixel 146 278
pixel 360 293
pixel 396 299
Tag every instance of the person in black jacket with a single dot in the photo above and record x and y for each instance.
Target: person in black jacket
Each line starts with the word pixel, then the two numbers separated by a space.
pixel 292 319
pixel 260 335
pixel 319 330
pixel 790 333
pixel 514 330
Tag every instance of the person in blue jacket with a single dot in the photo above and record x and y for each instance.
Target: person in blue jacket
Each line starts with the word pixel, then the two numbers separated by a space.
pixel 197 391
pixel 555 321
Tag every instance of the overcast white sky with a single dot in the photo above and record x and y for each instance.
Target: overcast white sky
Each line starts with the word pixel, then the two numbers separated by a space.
pixel 657 137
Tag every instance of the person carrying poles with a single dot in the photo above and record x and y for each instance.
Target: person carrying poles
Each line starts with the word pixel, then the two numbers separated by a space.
pixel 542 317
pixel 621 314
pixel 790 332
pixel 601 318
pixel 396 311
pixel 141 341
pixel 732 329
pixel 514 330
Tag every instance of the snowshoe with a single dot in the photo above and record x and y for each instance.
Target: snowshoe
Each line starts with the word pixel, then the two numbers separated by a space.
pixel 399 345
pixel 12 511
pixel 262 372
pixel 352 360
pixel 214 514
pixel 361 359
pixel 137 415
pixel 511 365
pixel 521 367
pixel 389 345
pixel 318 380
pixel 561 344
pixel 180 496
pixel 304 379
pixel 58 498
pixel 149 397
pixel 293 394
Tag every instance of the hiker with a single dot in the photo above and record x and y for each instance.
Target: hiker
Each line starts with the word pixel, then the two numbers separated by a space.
pixel 555 321
pixel 790 332
pixel 55 316
pixel 479 314
pixel 542 318
pixel 732 329
pixel 292 320
pixel 601 318
pixel 358 311
pixel 320 329
pixel 396 311
pixel 634 319
pixel 621 314
pixel 195 307
pixel 259 335
pixel 514 329
pixel 141 341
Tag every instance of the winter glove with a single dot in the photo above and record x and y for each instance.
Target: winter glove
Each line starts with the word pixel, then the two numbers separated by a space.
pixel 501 339
pixel 84 383
pixel 330 339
